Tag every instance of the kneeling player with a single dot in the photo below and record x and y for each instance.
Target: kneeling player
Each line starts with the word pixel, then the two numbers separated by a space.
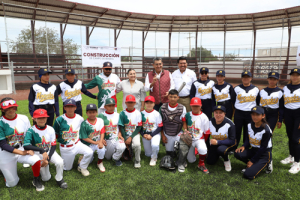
pixel 67 128
pixel 41 139
pixel 114 141
pixel 130 124
pixel 222 131
pixel 152 126
pixel 259 138
pixel 92 133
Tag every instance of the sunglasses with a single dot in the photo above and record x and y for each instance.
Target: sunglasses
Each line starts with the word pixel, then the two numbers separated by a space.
pixel 107 69
pixel 203 73
pixel 7 103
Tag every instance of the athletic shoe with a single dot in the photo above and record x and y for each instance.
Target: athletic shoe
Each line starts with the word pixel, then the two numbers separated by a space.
pixel 269 169
pixel 62 184
pixel 84 172
pixel 184 164
pixel 37 183
pixel 26 165
pixel 137 164
pixel 203 168
pixel 79 159
pixel 230 152
pixel 288 160
pixel 227 165
pixel 181 168
pixel 101 167
pixel 153 162
pixel 295 168
pixel 243 171
pixel 118 162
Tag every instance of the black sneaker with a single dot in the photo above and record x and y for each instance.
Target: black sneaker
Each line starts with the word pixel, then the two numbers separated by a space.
pixel 37 183
pixel 269 169
pixel 203 169
pixel 62 184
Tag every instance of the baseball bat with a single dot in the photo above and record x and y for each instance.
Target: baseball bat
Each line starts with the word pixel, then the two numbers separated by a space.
pixel 182 86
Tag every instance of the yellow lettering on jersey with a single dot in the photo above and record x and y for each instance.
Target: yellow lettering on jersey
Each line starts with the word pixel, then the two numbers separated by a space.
pixel 219 137
pixel 220 97
pixel 71 94
pixel 265 102
pixel 293 99
pixel 204 91
pixel 44 97
pixel 246 98
pixel 254 141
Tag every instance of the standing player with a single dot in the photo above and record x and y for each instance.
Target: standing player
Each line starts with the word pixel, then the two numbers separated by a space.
pixel 67 128
pixel 107 83
pixel 130 124
pixel 196 127
pixel 152 126
pixel 292 120
pixel 115 145
pixel 13 127
pixel 259 139
pixel 44 95
pixel 71 89
pixel 173 118
pixel 92 134
pixel 223 93
pixel 41 139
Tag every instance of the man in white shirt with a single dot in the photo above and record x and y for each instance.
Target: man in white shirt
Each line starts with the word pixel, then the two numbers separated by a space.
pixel 159 82
pixel 181 75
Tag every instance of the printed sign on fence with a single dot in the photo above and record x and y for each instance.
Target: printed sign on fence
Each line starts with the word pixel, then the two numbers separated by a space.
pixel 93 56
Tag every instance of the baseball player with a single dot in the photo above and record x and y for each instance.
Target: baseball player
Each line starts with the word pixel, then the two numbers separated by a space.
pixel 107 83
pixel 173 118
pixel 92 133
pixel 130 124
pixel 67 127
pixel 152 126
pixel 115 145
pixel 44 95
pixel 197 125
pixel 41 139
pixel 259 139
pixel 72 88
pixel 13 127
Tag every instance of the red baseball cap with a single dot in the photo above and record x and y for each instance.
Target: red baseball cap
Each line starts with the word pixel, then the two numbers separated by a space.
pixel 8 104
pixel 196 102
pixel 150 98
pixel 40 113
pixel 130 98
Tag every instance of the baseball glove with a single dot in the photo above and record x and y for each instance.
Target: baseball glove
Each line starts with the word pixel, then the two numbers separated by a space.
pixel 186 138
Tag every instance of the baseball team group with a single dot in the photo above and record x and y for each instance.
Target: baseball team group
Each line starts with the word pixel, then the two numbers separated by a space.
pixel 191 117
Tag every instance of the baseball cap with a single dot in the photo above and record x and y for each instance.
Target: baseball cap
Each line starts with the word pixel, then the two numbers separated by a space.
pixel 40 113
pixel 296 70
pixel 43 71
pixel 130 98
pixel 110 101
pixel 107 65
pixel 70 102
pixel 219 107
pixel 204 69
pixel 8 104
pixel 258 110
pixel 91 106
pixel 246 73
pixel 69 71
pixel 150 98
pixel 196 101
pixel 220 72
pixel 273 75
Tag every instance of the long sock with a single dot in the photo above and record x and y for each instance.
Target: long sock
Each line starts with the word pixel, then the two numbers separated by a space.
pixel 36 169
pixel 99 161
pixel 201 159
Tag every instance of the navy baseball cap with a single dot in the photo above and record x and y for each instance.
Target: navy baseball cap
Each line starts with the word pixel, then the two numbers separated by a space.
pixel 107 65
pixel 69 71
pixel 296 70
pixel 220 72
pixel 273 75
pixel 43 71
pixel 219 107
pixel 70 102
pixel 258 110
pixel 246 73
pixel 204 69
pixel 91 107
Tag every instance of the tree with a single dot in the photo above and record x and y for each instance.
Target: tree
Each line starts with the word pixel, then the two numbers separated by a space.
pixel 230 57
pixel 206 55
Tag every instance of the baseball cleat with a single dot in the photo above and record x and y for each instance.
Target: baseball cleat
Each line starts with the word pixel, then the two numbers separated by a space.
pixel 84 172
pixel 295 168
pixel 227 165
pixel 243 171
pixel 287 160
pixel 37 183
pixel 269 169
pixel 153 162
pixel 101 167
pixel 79 159
pixel 26 165
pixel 62 184
pixel 203 168
pixel 181 168
pixel 118 162
pixel 137 164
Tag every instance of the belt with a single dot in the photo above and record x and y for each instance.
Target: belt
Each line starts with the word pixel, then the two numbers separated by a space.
pixel 70 145
pixel 268 109
pixel 44 106
pixel 223 102
pixel 185 97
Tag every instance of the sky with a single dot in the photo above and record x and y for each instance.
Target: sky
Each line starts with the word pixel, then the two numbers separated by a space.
pixel 236 42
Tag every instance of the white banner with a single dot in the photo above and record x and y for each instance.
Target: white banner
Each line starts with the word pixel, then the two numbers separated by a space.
pixel 298 57
pixel 93 56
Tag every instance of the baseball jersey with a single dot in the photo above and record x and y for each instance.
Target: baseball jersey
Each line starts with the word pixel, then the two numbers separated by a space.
pixel 130 120
pixel 202 89
pixel 259 136
pixel 291 95
pixel 270 97
pixel 14 130
pixel 92 131
pixel 41 138
pixel 67 129
pixel 107 87
pixel 222 131
pixel 198 125
pixel 221 93
pixel 111 121
pixel 43 95
pixel 151 120
pixel 246 97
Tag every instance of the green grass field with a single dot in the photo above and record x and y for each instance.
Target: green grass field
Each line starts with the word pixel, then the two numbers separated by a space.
pixel 126 182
